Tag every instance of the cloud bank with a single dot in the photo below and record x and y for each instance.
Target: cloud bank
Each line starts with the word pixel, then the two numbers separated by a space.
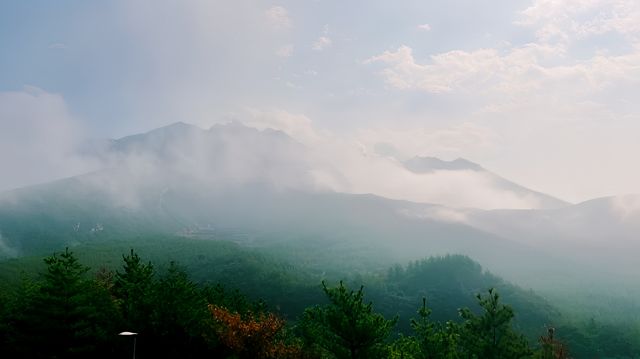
pixel 540 91
pixel 38 139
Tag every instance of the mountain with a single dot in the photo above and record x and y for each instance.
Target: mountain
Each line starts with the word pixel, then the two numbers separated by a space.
pixel 229 154
pixel 260 188
pixel 231 199
pixel 45 218
pixel 602 232
pixel 234 153
pixel 432 164
pixel 235 183
pixel 464 168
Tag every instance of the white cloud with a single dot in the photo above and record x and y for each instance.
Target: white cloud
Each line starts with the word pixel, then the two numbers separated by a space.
pixel 183 65
pixel 424 27
pixel 545 69
pixel 285 51
pixel 278 17
pixel 516 75
pixel 321 43
pixel 446 142
pixel 38 137
pixel 363 172
pixel 569 93
pixel 626 206
pixel 350 164
pixel 566 20
pixel 297 126
pixel 461 70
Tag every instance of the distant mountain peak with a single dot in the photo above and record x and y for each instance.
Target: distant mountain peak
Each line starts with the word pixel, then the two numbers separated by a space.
pixel 172 127
pixel 431 164
pixel 230 124
pixel 178 124
pixel 175 129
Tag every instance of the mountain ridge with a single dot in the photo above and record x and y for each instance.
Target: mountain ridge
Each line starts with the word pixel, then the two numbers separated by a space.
pixel 267 191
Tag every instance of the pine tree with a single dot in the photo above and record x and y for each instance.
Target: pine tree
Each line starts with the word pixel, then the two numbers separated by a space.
pixel 134 289
pixel 65 315
pixel 180 314
pixel 347 327
pixel 435 340
pixel 490 336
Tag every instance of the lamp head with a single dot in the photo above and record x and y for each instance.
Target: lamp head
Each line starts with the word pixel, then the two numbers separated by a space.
pixel 127 333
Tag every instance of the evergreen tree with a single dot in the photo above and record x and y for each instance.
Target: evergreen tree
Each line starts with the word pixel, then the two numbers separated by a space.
pixel 180 315
pixel 134 289
pixel 435 340
pixel 65 315
pixel 490 336
pixel 346 327
pixel 17 336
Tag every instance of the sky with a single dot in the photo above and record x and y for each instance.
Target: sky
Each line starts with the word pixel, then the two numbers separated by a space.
pixel 542 92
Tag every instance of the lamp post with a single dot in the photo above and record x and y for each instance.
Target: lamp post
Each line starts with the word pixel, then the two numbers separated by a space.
pixel 134 335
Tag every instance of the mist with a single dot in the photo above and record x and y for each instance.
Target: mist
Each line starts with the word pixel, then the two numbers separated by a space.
pixel 284 144
pixel 492 99
pixel 39 139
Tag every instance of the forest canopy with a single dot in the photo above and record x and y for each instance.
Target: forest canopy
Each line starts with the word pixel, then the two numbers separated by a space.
pixel 69 310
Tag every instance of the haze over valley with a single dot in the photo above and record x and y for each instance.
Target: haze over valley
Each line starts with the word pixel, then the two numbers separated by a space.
pixel 219 178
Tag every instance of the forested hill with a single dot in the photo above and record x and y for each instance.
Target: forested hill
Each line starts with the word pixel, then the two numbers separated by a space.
pixel 257 221
pixel 173 299
pixel 41 219
pixel 290 283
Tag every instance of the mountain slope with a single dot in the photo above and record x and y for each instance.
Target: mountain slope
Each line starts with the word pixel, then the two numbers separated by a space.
pixel 501 186
pixel 38 220
pixel 258 188
pixel 603 232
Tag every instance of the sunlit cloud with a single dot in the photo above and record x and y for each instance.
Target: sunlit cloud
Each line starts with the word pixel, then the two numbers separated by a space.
pixel 285 51
pixel 279 17
pixel 565 21
pixel 323 41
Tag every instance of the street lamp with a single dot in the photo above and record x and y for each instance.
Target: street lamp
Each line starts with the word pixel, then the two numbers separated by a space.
pixel 131 334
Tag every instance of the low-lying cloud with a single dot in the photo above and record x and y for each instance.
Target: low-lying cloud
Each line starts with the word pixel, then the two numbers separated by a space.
pixel 352 164
pixel 38 138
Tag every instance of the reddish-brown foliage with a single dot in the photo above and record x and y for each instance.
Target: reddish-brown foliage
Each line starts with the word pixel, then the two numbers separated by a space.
pixel 256 336
pixel 552 348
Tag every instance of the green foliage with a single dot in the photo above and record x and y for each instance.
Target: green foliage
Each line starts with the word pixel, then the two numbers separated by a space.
pixel 133 288
pixel 451 282
pixel 435 340
pixel 489 335
pixel 592 338
pixel 168 310
pixel 233 300
pixel 179 315
pixel 347 327
pixel 84 309
pixel 65 315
